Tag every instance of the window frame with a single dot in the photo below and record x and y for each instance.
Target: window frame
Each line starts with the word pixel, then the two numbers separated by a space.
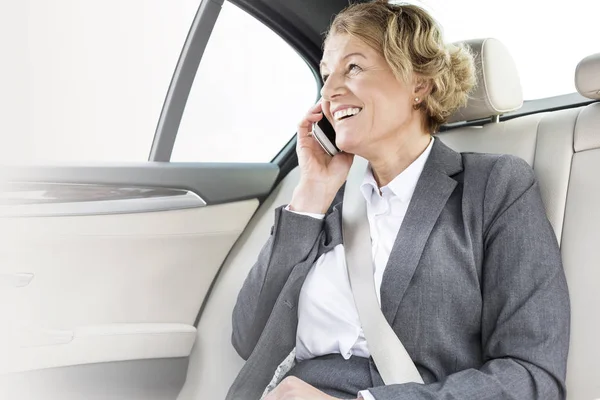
pixel 189 62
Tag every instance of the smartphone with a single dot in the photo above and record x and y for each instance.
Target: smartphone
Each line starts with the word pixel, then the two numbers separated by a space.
pixel 324 133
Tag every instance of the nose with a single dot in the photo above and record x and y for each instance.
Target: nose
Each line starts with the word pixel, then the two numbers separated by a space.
pixel 333 87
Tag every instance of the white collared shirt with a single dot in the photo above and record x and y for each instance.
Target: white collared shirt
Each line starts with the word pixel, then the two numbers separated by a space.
pixel 327 318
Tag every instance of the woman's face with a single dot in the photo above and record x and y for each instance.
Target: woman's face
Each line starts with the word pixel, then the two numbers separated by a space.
pixel 359 81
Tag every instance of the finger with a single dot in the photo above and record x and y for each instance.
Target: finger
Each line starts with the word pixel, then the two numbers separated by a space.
pixel 309 143
pixel 305 132
pixel 305 129
pixel 314 112
pixel 317 108
pixel 283 388
pixel 273 394
pixel 308 120
pixel 304 139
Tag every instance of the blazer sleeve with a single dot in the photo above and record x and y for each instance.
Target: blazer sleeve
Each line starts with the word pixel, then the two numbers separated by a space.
pixel 526 311
pixel 292 237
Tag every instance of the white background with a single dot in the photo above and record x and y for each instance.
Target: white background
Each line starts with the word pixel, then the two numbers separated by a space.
pixel 85 80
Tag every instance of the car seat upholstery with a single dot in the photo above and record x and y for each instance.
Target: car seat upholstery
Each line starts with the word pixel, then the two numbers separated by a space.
pixel 499 91
pixel 563 147
pixel 581 240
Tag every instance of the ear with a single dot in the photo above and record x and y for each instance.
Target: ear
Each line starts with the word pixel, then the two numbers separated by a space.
pixel 421 86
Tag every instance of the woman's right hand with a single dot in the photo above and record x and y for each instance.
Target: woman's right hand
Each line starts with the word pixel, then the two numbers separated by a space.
pixel 321 175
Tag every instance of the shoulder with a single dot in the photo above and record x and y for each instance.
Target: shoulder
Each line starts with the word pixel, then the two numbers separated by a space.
pixel 498 170
pixel 501 179
pixel 500 167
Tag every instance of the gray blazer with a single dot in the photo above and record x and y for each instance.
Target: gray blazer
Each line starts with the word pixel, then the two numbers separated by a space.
pixel 474 286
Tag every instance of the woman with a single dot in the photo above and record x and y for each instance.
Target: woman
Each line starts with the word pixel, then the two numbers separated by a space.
pixel 466 265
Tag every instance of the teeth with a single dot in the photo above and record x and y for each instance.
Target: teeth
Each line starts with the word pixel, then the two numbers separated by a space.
pixel 343 113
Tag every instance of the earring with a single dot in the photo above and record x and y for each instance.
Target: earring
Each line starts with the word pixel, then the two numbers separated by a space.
pixel 417 105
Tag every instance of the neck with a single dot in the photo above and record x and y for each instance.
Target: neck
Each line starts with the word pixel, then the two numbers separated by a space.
pixel 388 164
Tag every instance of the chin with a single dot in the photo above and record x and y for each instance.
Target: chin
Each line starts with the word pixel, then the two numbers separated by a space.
pixel 346 142
pixel 351 149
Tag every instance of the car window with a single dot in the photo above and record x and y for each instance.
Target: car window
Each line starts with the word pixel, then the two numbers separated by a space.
pixel 249 94
pixel 93 77
pixel 546 41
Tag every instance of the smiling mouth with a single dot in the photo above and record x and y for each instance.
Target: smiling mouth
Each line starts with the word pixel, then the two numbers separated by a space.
pixel 346 113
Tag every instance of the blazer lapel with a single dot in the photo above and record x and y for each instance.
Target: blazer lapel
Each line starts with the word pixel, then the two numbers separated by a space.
pixel 433 189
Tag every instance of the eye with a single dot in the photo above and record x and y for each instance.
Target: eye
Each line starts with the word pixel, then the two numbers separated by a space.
pixel 354 68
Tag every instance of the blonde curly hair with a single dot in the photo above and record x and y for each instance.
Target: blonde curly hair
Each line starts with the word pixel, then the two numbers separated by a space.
pixel 411 42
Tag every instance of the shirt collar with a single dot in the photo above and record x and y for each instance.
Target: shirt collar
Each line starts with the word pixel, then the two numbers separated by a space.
pixel 403 185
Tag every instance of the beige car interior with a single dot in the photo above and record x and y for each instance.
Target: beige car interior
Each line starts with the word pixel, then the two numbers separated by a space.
pixel 107 305
pixel 69 332
pixel 563 147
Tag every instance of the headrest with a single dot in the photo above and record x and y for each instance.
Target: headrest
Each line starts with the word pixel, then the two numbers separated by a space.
pixel 498 89
pixel 587 77
pixel 587 135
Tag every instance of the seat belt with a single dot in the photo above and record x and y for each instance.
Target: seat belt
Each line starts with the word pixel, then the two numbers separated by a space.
pixel 391 358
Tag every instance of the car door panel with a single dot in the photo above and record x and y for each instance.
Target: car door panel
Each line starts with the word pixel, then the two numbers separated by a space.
pixel 158 379
pixel 98 269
